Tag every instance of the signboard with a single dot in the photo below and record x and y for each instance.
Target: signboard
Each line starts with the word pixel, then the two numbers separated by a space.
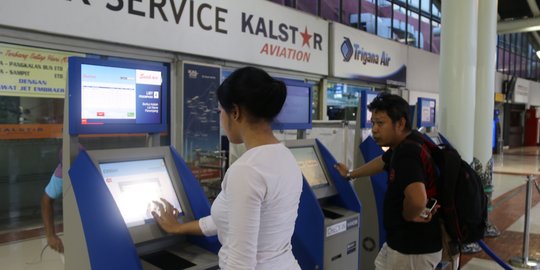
pixel 201 120
pixel 521 91
pixel 30 131
pixel 31 72
pixel 362 56
pixel 256 32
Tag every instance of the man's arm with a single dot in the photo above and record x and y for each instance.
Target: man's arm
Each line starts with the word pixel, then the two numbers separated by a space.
pixel 47 210
pixel 375 166
pixel 414 202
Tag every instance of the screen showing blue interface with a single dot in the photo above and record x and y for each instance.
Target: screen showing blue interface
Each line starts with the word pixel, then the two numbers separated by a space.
pixel 310 165
pixel 367 98
pixel 426 112
pixel 297 109
pixel 114 95
pixel 134 185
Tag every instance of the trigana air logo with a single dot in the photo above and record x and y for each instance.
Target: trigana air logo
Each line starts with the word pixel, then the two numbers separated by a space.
pixel 346 49
pixel 358 53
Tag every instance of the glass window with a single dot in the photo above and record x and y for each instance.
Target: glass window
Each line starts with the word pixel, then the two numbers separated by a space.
pixel 435 37
pixel 330 10
pixel 435 11
pixel 350 13
pixel 413 29
pixel 308 6
pixel 399 27
pixel 384 23
pixel 368 17
pixel 425 32
pixel 414 4
pixel 425 4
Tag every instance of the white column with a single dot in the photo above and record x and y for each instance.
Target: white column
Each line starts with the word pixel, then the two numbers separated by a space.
pixel 485 79
pixel 457 70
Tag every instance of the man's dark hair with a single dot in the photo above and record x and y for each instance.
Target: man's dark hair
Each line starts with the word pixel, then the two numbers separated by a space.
pixel 254 90
pixel 395 106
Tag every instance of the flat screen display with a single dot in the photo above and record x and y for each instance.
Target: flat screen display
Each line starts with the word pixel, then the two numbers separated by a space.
pixel 425 112
pixel 116 97
pixel 367 98
pixel 134 185
pixel 296 112
pixel 311 166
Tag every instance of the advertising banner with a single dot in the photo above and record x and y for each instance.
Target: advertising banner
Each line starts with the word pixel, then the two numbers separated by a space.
pixel 201 120
pixel 362 56
pixel 32 72
pixel 255 32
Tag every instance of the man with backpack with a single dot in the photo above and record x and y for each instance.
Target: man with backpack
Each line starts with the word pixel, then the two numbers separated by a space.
pixel 413 239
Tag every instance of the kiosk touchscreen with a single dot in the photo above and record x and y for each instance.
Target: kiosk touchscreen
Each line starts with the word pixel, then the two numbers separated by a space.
pixel 327 227
pixel 296 111
pixel 121 185
pixel 315 174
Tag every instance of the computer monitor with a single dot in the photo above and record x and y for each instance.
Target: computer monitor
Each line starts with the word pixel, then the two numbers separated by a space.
pixel 425 112
pixel 309 160
pixel 110 96
pixel 366 98
pixel 296 112
pixel 137 176
pixel 136 184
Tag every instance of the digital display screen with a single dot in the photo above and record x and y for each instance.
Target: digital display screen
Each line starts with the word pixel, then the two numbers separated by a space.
pixel 120 95
pixel 426 112
pixel 296 111
pixel 134 185
pixel 367 98
pixel 107 96
pixel 310 165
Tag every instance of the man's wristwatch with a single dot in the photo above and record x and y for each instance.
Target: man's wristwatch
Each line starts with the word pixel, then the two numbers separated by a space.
pixel 349 174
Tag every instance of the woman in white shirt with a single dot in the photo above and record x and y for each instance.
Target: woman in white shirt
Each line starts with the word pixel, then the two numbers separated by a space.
pixel 255 213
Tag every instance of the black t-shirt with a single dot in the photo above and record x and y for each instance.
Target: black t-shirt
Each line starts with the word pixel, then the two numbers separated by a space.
pixel 406 164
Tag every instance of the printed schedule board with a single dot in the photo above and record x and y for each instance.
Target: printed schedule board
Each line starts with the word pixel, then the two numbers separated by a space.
pixel 32 72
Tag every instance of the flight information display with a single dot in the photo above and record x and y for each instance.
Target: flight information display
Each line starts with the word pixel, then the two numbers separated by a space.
pixel 108 96
pixel 120 95
pixel 134 185
pixel 310 165
pixel 296 111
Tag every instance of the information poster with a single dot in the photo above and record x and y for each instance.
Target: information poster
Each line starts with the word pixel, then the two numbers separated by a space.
pixel 32 72
pixel 201 120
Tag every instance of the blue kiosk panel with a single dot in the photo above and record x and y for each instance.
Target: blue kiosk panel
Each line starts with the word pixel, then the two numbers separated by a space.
pixel 114 190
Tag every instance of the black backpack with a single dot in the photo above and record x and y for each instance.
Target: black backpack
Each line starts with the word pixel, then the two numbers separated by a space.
pixel 460 193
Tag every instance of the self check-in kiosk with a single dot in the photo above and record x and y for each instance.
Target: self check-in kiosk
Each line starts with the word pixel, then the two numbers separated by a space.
pixel 370 190
pixel 108 193
pixel 327 231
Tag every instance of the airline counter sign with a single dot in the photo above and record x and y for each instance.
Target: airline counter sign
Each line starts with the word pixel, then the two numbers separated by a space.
pixel 254 32
pixel 362 56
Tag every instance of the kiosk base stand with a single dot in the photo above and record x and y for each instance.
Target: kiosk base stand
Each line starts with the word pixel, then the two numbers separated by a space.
pixel 525 261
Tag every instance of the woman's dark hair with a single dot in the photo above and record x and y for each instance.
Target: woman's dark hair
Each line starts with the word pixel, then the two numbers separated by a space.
pixel 394 105
pixel 254 90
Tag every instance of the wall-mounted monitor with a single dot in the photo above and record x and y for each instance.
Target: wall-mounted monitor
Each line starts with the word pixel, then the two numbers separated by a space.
pixel 135 178
pixel 296 112
pixel 309 160
pixel 113 96
pixel 425 112
pixel 366 98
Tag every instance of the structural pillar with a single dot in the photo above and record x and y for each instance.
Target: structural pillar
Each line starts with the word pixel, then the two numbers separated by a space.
pixel 457 73
pixel 485 98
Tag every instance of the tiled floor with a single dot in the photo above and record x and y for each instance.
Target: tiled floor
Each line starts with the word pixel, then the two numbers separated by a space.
pixel 22 250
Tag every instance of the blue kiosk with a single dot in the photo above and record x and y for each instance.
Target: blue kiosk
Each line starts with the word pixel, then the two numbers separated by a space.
pixel 370 190
pixel 108 194
pixel 327 231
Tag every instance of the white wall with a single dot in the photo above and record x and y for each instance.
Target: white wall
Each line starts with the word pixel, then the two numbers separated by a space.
pixel 422 71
